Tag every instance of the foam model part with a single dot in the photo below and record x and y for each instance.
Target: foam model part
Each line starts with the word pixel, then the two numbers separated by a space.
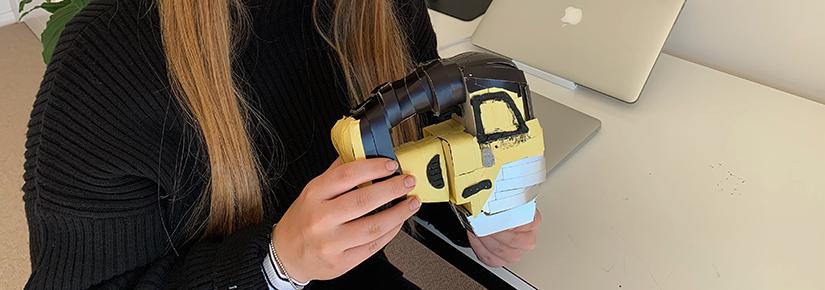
pixel 482 158
pixel 484 224
pixel 514 183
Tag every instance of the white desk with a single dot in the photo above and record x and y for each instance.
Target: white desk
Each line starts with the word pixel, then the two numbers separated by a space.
pixel 708 182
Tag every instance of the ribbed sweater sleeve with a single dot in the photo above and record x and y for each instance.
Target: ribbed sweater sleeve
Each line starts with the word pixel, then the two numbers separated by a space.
pixel 97 180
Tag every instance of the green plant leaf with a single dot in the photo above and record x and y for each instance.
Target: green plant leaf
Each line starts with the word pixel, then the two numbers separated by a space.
pixel 27 12
pixel 49 6
pixel 23 5
pixel 55 25
pixel 54 6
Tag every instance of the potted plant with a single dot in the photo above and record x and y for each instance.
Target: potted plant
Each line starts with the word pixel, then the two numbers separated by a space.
pixel 61 12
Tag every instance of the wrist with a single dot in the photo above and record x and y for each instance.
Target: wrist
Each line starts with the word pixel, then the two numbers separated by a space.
pixel 287 259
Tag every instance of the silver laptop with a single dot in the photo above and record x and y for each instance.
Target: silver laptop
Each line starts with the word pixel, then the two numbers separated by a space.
pixel 565 129
pixel 607 46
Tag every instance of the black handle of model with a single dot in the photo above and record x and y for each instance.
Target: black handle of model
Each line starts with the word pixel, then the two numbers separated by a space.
pixel 435 86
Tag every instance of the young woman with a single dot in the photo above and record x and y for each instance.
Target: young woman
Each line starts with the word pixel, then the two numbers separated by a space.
pixel 185 144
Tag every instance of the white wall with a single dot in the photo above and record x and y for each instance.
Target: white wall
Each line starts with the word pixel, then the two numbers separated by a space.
pixel 36 21
pixel 7 16
pixel 774 42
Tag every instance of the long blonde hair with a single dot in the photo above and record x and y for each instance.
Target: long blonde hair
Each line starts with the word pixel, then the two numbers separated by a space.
pixel 200 38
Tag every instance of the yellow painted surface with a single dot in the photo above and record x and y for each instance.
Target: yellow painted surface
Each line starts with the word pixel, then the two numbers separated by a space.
pixel 459 152
pixel 463 152
pixel 346 138
pixel 463 147
pixel 504 150
pixel 414 158
pixel 465 162
pixel 497 117
pixel 443 128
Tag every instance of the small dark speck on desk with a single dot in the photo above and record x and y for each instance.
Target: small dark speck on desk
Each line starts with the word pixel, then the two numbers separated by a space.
pixel 730 180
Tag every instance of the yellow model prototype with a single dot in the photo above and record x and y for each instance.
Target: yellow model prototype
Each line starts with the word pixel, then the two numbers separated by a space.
pixel 486 124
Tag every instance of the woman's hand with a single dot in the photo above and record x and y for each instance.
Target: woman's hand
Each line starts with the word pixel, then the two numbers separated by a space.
pixel 505 247
pixel 326 231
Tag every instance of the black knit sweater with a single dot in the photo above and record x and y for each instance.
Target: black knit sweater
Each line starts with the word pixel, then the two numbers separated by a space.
pixel 113 168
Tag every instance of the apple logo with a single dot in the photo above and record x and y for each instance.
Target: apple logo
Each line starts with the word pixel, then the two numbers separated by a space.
pixel 572 16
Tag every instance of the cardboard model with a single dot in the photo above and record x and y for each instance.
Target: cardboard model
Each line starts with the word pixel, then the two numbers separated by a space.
pixel 483 159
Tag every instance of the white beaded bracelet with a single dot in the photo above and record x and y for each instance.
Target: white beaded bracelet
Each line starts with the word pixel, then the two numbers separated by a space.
pixel 274 271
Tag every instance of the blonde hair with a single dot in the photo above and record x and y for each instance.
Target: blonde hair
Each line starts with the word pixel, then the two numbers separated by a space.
pixel 200 38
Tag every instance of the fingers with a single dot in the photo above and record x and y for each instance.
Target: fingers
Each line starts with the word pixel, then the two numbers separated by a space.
pixel 483 253
pixel 357 203
pixel 356 255
pixel 372 227
pixel 505 252
pixel 514 239
pixel 506 247
pixel 343 177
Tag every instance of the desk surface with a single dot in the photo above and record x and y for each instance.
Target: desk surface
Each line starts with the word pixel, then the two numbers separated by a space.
pixel 710 181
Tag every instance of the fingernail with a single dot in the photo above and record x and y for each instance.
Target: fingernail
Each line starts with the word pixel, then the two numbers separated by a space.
pixel 391 165
pixel 415 203
pixel 409 181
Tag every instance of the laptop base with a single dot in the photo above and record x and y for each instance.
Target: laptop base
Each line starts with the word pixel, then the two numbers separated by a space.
pixel 565 129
